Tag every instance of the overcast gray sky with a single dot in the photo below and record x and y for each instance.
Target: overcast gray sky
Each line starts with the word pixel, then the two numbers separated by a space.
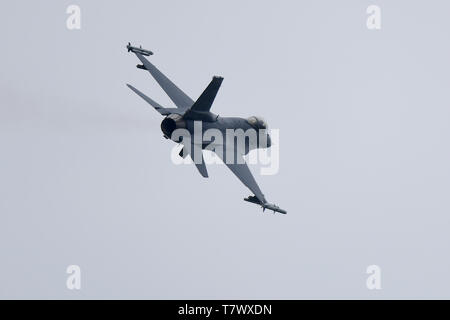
pixel 86 177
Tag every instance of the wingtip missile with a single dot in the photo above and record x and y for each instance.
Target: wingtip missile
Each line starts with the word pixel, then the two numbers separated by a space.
pixel 139 50
pixel 274 208
pixel 265 205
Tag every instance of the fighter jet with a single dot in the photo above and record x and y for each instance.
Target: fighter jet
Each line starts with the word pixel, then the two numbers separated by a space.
pixel 188 114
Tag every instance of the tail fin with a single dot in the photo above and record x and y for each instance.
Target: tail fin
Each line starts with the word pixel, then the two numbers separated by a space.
pixel 206 99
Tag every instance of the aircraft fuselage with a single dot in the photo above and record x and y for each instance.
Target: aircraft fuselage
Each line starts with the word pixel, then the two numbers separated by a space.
pixel 223 131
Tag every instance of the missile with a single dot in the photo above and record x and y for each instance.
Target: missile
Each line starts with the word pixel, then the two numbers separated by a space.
pixel 273 207
pixel 139 50
pixel 265 205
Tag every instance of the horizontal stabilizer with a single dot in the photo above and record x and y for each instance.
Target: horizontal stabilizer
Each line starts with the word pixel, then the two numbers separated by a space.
pixel 153 103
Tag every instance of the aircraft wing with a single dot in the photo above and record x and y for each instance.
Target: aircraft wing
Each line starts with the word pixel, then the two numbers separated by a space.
pixel 175 94
pixel 242 171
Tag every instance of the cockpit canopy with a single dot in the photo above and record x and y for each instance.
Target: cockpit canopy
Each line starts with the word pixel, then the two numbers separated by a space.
pixel 257 122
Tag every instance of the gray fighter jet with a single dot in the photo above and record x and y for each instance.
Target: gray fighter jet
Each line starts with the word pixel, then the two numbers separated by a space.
pixel 189 113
